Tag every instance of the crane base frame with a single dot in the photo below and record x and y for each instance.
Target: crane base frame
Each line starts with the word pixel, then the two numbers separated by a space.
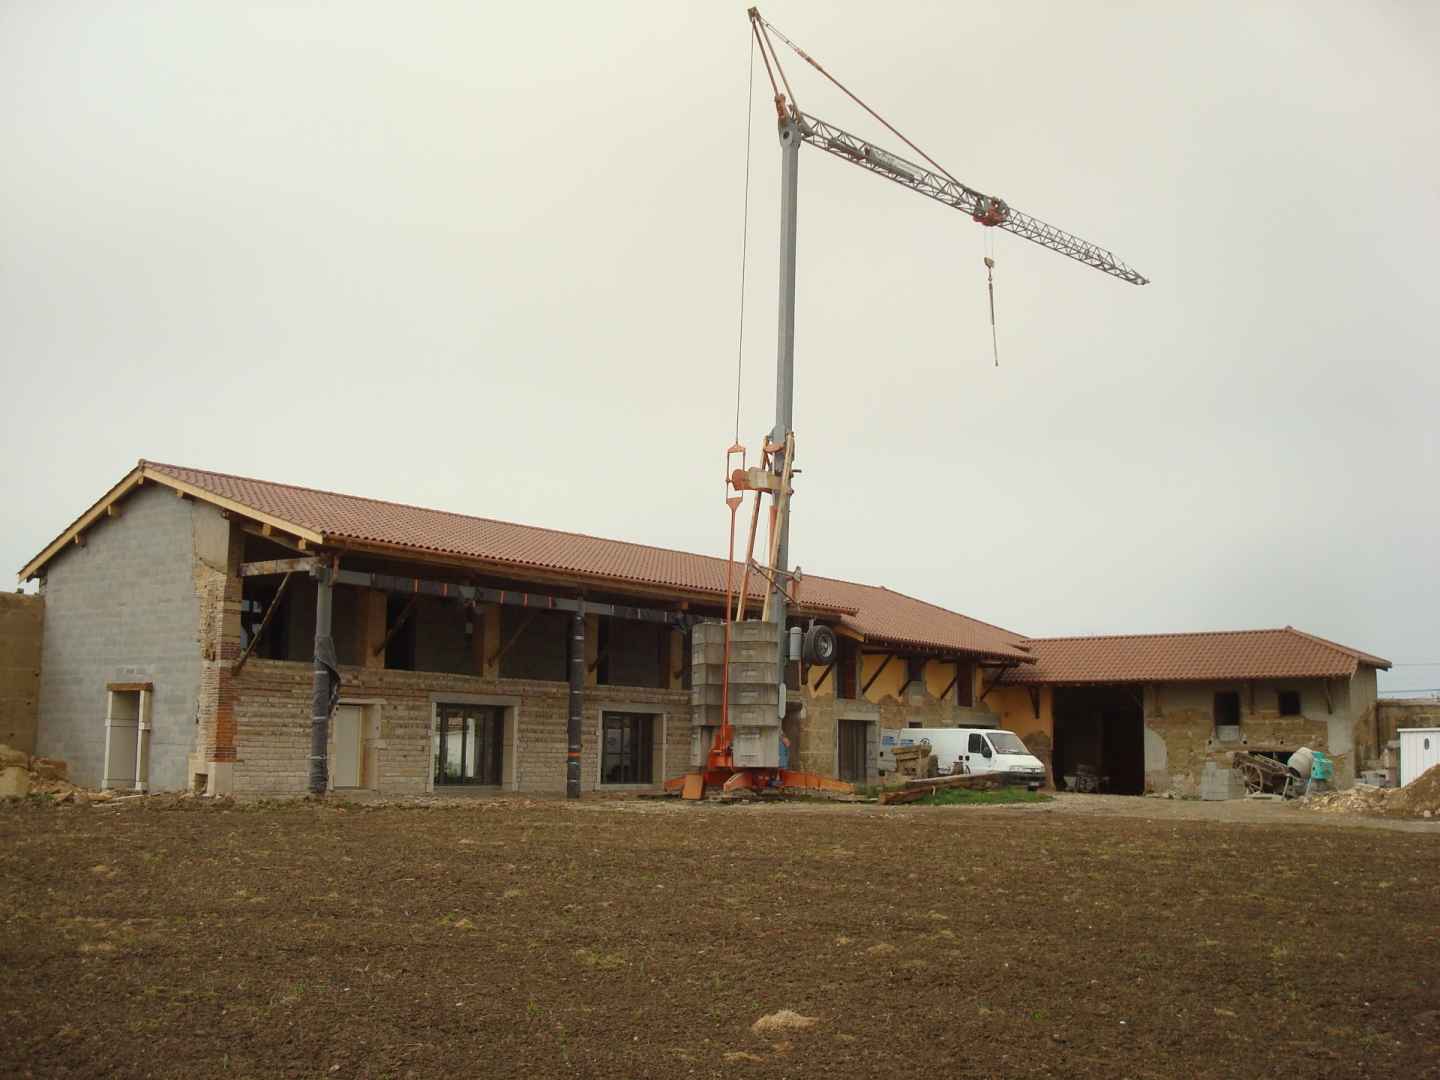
pixel 693 785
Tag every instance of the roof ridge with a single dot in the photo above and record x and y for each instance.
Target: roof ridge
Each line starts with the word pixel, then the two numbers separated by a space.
pixel 569 533
pixel 1165 634
pixel 451 513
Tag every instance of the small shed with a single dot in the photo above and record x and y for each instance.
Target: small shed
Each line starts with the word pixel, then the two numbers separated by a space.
pixel 1419 751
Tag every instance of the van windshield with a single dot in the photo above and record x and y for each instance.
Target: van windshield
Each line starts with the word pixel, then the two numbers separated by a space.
pixel 1006 742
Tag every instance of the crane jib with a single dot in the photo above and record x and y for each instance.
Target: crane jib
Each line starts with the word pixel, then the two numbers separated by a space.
pixel 985 209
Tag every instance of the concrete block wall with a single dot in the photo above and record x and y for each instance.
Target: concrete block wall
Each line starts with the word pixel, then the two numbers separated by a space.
pixel 124 608
pixel 272 712
pixel 21 627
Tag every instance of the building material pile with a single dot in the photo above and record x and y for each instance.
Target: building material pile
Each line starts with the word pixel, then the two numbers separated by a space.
pixel 916 762
pixel 22 775
pixel 1420 798
pixel 915 790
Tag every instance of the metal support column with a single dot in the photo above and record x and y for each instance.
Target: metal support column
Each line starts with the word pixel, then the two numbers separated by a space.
pixel 323 690
pixel 577 702
pixel 785 360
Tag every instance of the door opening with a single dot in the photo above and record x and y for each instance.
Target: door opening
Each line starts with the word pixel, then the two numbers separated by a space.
pixel 853 737
pixel 1100 738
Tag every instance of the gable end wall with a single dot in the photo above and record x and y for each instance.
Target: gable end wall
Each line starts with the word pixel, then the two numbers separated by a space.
pixel 123 608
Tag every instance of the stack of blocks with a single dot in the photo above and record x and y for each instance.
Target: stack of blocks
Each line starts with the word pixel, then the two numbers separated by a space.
pixel 1218 785
pixel 754 679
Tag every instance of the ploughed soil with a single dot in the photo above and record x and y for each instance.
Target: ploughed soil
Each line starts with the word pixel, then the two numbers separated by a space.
pixel 512 938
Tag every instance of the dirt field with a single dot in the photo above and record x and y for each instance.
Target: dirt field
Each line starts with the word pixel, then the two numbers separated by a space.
pixel 637 939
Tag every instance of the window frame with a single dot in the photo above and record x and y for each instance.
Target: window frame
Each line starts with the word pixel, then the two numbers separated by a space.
pixel 1216 722
pixel 647 720
pixel 493 742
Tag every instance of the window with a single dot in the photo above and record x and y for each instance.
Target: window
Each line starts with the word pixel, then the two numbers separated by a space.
pixel 977 744
pixel 1289 702
pixel 627 748
pixel 1007 742
pixel 467 746
pixel 1227 709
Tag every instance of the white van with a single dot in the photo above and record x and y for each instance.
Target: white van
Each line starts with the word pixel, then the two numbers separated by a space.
pixel 979 750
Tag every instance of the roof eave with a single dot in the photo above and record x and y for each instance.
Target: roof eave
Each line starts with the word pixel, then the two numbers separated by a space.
pixel 578 579
pixel 135 478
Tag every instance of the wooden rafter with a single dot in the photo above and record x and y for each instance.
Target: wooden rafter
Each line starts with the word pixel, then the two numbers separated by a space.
pixel 995 681
pixel 75 534
pixel 300 532
pixel 871 681
pixel 239 664
pixel 824 675
pixel 507 646
pixel 275 567
pixel 405 614
pixel 265 532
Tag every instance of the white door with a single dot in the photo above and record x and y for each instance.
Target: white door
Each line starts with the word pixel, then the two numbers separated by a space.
pixel 978 755
pixel 1419 751
pixel 346 727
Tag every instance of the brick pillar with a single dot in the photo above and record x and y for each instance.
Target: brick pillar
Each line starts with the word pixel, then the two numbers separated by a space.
pixel 219 589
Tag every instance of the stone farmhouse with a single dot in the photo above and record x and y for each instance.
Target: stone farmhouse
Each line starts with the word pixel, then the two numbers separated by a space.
pixel 179 642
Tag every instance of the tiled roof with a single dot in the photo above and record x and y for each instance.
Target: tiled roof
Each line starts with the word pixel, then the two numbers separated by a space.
pixel 1232 654
pixel 880 614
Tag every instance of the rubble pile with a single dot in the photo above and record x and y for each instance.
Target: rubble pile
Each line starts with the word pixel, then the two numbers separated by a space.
pixel 1419 798
pixel 22 775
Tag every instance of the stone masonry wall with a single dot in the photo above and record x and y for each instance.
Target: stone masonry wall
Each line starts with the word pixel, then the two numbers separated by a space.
pixel 21 627
pixel 272 716
pixel 1180 736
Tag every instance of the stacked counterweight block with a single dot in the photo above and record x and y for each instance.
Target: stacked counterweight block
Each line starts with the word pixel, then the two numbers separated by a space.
pixel 754 679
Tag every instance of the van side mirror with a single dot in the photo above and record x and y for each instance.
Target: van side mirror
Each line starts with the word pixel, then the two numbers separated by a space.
pixel 985 750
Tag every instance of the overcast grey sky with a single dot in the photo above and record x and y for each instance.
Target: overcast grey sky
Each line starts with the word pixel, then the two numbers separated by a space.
pixel 486 257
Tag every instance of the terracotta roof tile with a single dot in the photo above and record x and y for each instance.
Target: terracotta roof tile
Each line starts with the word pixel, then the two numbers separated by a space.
pixel 880 614
pixel 1232 654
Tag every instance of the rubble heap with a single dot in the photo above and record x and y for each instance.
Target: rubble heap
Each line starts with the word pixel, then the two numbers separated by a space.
pixel 1419 798
pixel 22 775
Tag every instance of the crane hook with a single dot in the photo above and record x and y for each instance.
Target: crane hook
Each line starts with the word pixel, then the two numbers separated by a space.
pixel 990 284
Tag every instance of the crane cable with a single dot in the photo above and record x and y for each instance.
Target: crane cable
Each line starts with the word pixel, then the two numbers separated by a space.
pixel 744 239
pixel 851 95
pixel 989 259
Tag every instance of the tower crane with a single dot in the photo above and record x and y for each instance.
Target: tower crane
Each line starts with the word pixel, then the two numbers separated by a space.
pixel 931 180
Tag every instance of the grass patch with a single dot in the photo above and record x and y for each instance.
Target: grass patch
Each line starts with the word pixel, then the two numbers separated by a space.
pixel 998 797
